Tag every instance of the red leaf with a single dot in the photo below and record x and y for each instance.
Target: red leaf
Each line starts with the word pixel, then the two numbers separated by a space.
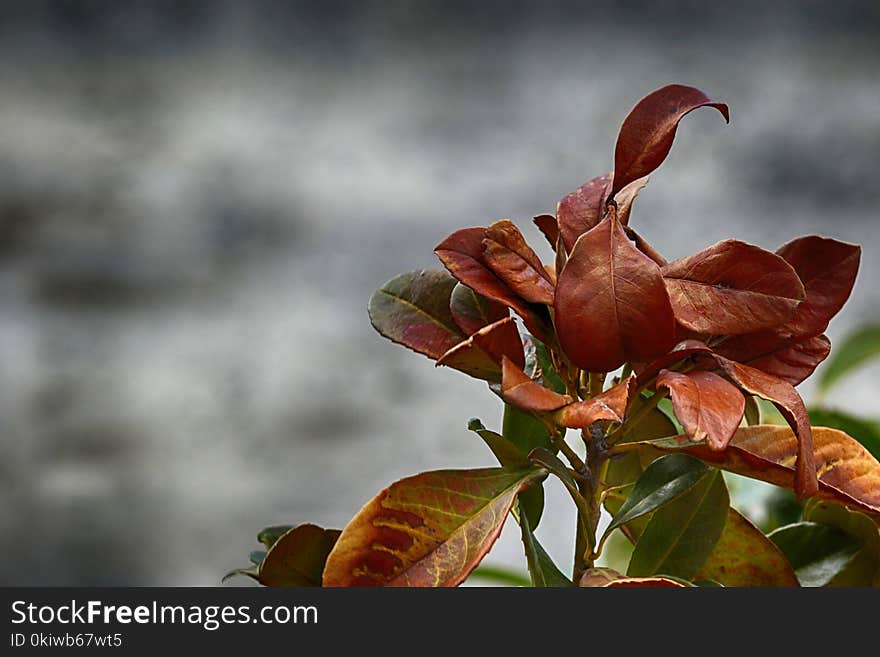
pixel 546 223
pixel 609 405
pixel 732 287
pixel 648 131
pixel 643 246
pixel 791 360
pixel 583 209
pixel 519 390
pixel 682 350
pixel 625 198
pixel 462 254
pixel 788 401
pixel 828 270
pixel 708 407
pixel 481 354
pixel 472 311
pixel 611 303
pixel 514 262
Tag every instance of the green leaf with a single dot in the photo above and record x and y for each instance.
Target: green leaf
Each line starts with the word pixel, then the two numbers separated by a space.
pixel 550 462
pixel 525 431
pixel 753 411
pixel 664 480
pixel 257 556
pixel 863 431
pixel 500 575
pixel 864 568
pixel 431 529
pixel 412 309
pixel 531 501
pixel 682 534
pixel 270 535
pixel 542 570
pixel 744 556
pixel 817 552
pixel 507 453
pixel 856 349
pixel 549 376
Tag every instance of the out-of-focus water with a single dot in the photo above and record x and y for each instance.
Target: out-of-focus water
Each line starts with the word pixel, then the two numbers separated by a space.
pixel 196 204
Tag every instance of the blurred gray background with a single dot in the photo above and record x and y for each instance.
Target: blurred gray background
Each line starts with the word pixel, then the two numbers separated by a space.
pixel 198 198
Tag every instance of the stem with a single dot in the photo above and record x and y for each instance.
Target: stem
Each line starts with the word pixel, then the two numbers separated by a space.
pixel 626 428
pixel 590 488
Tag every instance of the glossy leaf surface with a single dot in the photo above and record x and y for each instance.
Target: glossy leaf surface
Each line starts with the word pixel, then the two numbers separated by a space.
pixel 543 572
pixel 818 552
pixel 430 529
pixel 648 131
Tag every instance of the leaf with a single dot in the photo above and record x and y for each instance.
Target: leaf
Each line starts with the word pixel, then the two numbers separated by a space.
pixel 856 349
pixel 462 254
pixel 753 411
pixel 519 390
pixel 500 575
pixel 430 529
pixel 828 271
pixel 847 472
pixel 608 405
pixel 582 210
pixel 531 502
pixel 514 262
pixel 864 568
pixel 270 535
pixel 296 558
pixel 863 431
pixel 790 404
pixel 508 454
pixel 681 535
pixel 546 223
pixel 611 303
pixel 648 131
pixel 744 556
pixel 542 570
pixel 524 431
pixel 595 577
pixel 664 480
pixel 817 552
pixel 708 406
pixel 792 360
pixel 481 355
pixel 549 376
pixel 472 311
pixel 413 310
pixel 732 287
pixel 625 198
pixel 547 460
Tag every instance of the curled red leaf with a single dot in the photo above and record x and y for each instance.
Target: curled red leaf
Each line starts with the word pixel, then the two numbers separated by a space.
pixel 648 131
pixel 583 209
pixel 481 354
pixel 549 228
pixel 609 405
pixel 520 391
pixel 506 253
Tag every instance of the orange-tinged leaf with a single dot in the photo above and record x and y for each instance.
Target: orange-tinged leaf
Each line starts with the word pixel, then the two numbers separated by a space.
pixel 514 262
pixel 732 287
pixel 708 406
pixel 611 303
pixel 548 226
pixel 518 389
pixel 791 360
pixel 462 254
pixel 582 210
pixel 828 269
pixel 648 131
pixel 430 529
pixel 609 405
pixel 847 472
pixel 481 354
pixel 744 556
pixel 472 311
pixel 413 310
pixel 791 406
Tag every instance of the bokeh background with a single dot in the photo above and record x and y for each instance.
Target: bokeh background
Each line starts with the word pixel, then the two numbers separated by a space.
pixel 198 198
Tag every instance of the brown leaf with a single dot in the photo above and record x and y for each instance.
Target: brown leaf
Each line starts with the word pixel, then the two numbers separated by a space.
pixel 297 558
pixel 732 287
pixel 595 577
pixel 546 223
pixel 582 210
pixel 506 253
pixel 828 269
pixel 520 391
pixel 625 198
pixel 791 360
pixel 472 311
pixel 789 402
pixel 847 472
pixel 462 254
pixel 648 131
pixel 643 246
pixel 708 407
pixel 683 350
pixel 481 354
pixel 611 303
pixel 430 529
pixel 609 405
